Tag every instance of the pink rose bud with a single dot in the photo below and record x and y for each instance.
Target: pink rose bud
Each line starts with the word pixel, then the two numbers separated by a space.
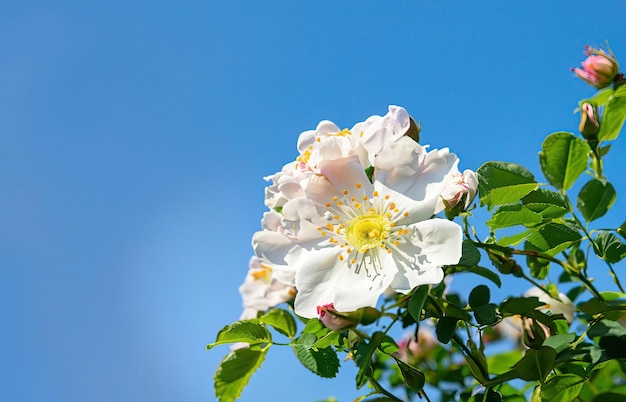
pixel 335 320
pixel 599 69
pixel 589 124
pixel 460 190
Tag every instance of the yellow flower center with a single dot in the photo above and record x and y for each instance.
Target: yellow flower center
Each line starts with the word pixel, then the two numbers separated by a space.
pixel 263 273
pixel 304 157
pixel 367 231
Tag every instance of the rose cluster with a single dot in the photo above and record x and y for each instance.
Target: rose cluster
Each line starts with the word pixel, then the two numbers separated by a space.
pixel 355 216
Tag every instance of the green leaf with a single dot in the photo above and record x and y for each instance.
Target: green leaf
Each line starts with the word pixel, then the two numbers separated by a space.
pixel 559 342
pixel 595 199
pixel 609 247
pixel 487 314
pixel 512 215
pixel 445 328
pixel 323 361
pixel 416 302
pixel 607 328
pixel 501 183
pixel 470 256
pixel 515 239
pixel 234 371
pixel 563 158
pixel 600 98
pixel 613 117
pixel 539 267
pixel 413 378
pixel 281 320
pixel 547 211
pixel 562 388
pixel 553 238
pixel 242 331
pixel 535 364
pixel 614 346
pixel 327 340
pixel 486 273
pixel 503 362
pixel 602 151
pixel 388 345
pixel 479 296
pixel 364 353
pixel 545 196
pixel 491 396
pixel 477 362
pixel 511 394
pixel 549 204
pixel 520 305
pixel 609 397
pixel 316 327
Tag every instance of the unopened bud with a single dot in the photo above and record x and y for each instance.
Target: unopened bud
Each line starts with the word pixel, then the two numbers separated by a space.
pixel 338 321
pixel 333 319
pixel 458 192
pixel 589 124
pixel 599 68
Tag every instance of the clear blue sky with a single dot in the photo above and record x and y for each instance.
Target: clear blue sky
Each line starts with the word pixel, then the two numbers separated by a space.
pixel 134 137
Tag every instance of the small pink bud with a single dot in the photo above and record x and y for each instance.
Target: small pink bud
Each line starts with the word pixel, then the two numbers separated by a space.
pixel 459 191
pixel 333 319
pixel 599 69
pixel 589 125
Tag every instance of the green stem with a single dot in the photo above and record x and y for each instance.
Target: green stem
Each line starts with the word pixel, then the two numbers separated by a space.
pixel 582 337
pixel 376 385
pixel 395 304
pixel 571 270
pixel 615 278
pixel 597 161
pixel 593 244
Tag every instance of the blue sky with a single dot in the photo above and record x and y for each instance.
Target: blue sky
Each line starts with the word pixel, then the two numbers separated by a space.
pixel 134 137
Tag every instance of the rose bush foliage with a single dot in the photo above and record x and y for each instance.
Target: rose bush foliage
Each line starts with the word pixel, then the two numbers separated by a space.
pixel 367 228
